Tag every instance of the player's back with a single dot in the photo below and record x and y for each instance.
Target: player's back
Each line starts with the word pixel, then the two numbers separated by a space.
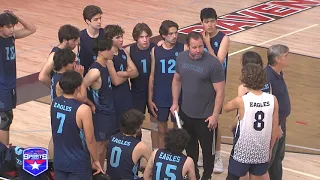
pixel 70 149
pixel 103 98
pixel 7 63
pixel 167 165
pixel 120 164
pixel 165 63
pixel 54 80
pixel 252 141
pixel 142 60
pixel 86 55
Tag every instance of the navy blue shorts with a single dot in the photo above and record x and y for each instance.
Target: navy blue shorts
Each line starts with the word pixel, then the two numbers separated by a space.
pixel 8 99
pixel 163 114
pixel 104 126
pixel 140 103
pixel 240 169
pixel 79 175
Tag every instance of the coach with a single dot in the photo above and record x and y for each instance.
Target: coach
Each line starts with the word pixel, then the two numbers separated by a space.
pixel 202 80
pixel 277 61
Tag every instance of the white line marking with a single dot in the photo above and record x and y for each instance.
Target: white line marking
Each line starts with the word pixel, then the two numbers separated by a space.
pixel 265 42
pixel 288 169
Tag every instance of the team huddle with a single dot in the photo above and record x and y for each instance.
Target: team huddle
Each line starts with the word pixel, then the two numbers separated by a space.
pixel 99 97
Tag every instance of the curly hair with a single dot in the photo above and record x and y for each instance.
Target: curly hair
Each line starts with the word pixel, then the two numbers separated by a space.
pixel 253 76
pixel 251 57
pixel 176 140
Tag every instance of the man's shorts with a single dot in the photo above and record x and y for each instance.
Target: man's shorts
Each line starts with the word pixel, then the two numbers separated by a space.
pixel 104 126
pixel 163 114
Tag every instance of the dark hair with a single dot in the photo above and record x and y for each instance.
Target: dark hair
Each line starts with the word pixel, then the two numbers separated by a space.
pixel 165 25
pixel 207 13
pixel 111 31
pixel 90 11
pixel 63 57
pixel 70 81
pixel 251 57
pixel 139 28
pixel 68 32
pixel 7 19
pixel 193 35
pixel 176 140
pixel 253 76
pixel 101 44
pixel 131 121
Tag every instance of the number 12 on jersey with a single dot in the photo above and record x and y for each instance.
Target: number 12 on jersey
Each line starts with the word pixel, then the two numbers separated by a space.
pixel 168 171
pixel 170 69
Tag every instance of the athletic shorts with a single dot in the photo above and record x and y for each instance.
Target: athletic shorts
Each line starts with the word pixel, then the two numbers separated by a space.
pixel 8 99
pixel 139 103
pixel 163 114
pixel 241 169
pixel 104 126
pixel 79 175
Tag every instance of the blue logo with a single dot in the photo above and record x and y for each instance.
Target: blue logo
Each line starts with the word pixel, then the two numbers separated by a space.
pixel 176 53
pixel 124 57
pixel 35 161
pixel 216 44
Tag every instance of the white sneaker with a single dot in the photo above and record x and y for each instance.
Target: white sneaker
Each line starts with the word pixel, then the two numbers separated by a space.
pixel 218 165
pixel 200 161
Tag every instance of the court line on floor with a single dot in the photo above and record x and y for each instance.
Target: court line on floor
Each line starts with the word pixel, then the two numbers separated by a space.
pixel 273 39
pixel 288 169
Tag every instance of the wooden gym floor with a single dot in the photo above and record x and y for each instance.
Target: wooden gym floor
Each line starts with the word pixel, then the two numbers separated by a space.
pixel 299 31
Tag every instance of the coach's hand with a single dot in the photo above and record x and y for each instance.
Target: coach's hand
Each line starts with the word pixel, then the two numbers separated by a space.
pixel 153 108
pixel 97 166
pixel 212 122
pixel 174 107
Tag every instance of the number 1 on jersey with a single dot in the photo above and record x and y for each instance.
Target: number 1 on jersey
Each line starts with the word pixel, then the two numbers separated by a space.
pixel 62 117
pixel 144 65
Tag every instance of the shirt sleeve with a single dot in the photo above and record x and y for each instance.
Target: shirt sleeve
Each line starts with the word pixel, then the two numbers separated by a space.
pixel 217 72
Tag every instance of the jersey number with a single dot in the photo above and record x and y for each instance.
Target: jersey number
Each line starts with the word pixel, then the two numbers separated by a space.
pixel 121 67
pixel 144 65
pixel 11 54
pixel 259 124
pixel 168 172
pixel 109 81
pixel 172 64
pixel 115 156
pixel 62 117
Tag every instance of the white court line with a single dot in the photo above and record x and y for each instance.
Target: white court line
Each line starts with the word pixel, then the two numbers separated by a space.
pixel 265 42
pixel 288 169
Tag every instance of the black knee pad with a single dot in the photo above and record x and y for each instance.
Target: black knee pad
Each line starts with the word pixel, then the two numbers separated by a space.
pixel 5 120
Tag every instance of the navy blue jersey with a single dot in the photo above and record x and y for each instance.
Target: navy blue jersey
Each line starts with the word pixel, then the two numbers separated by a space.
pixel 165 63
pixel 54 49
pixel 119 156
pixel 122 94
pixel 54 80
pixel 267 88
pixel 167 165
pixel 215 44
pixel 142 60
pixel 8 72
pixel 86 55
pixel 103 98
pixel 70 150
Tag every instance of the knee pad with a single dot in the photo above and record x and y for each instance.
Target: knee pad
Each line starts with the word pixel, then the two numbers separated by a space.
pixel 5 120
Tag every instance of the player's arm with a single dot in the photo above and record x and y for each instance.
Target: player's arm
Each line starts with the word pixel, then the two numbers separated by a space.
pixel 28 27
pixel 85 115
pixel 91 77
pixel 189 165
pixel 233 104
pixel 115 78
pixel 147 174
pixel 275 124
pixel 131 67
pixel 142 150
pixel 45 73
pixel 151 104
pixel 223 49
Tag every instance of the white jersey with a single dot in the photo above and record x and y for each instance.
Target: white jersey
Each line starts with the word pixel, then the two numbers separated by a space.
pixel 252 141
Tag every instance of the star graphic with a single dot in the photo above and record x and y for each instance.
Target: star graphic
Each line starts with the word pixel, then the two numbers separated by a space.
pixel 35 165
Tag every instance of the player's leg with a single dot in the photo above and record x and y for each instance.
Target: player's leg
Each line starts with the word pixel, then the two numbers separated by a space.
pixel 6 118
pixel 154 132
pixel 237 169
pixel 51 148
pixel 218 164
pixel 140 105
pixel 163 115
pixel 258 171
pixel 60 175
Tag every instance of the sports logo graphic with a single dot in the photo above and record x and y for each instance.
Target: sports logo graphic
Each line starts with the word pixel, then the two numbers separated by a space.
pixel 35 160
